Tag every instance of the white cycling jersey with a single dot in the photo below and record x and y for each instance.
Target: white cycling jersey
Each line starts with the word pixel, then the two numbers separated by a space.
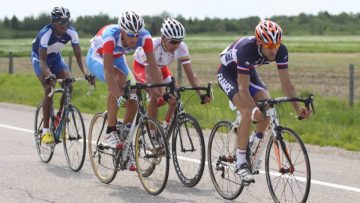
pixel 162 57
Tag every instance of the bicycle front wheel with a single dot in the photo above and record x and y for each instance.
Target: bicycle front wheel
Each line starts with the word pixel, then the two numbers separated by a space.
pixel 287 168
pixel 102 156
pixel 45 151
pixel 74 139
pixel 152 156
pixel 222 161
pixel 188 150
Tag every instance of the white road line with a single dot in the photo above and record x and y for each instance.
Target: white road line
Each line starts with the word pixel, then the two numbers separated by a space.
pixel 317 182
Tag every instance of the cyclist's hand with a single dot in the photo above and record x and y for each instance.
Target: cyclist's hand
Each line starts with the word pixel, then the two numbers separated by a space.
pixel 303 112
pixel 204 99
pixel 256 115
pixel 50 79
pixel 90 78
pixel 121 101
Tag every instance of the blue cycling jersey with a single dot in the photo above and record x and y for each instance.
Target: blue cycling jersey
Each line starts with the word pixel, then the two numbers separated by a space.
pixel 244 55
pixel 46 38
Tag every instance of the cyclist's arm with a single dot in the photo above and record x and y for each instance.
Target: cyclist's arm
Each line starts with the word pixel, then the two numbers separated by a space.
pixel 191 76
pixel 78 55
pixel 288 87
pixel 42 57
pixel 154 72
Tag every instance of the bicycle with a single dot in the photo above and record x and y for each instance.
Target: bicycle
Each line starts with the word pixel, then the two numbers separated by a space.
pixel 287 165
pixel 187 138
pixel 70 131
pixel 149 155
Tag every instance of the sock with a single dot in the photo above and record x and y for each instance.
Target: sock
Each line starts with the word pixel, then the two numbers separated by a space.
pixel 110 129
pixel 45 130
pixel 240 156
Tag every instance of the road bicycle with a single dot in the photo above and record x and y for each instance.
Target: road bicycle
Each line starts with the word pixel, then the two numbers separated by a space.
pixel 151 156
pixel 287 165
pixel 188 147
pixel 70 130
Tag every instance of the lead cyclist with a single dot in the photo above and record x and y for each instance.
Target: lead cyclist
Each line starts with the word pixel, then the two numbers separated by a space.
pixel 237 77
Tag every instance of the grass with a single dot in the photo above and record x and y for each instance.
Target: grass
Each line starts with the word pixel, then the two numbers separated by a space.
pixel 214 44
pixel 335 123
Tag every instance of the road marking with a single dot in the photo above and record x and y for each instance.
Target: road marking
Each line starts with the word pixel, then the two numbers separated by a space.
pixel 317 182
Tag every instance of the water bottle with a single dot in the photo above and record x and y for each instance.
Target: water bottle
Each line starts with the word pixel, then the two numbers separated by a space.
pixel 255 141
pixel 119 129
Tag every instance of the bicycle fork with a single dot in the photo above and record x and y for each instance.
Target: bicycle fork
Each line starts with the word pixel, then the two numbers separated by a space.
pixel 282 166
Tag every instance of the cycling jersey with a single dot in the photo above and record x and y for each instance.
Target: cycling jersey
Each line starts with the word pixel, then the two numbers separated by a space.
pixel 108 40
pixel 46 38
pixel 162 57
pixel 243 57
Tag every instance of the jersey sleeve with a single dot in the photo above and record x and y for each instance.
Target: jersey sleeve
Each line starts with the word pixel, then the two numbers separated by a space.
pixel 242 63
pixel 182 53
pixel 73 35
pixel 148 45
pixel 282 57
pixel 44 39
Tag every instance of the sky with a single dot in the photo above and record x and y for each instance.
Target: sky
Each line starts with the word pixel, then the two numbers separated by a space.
pixel 187 8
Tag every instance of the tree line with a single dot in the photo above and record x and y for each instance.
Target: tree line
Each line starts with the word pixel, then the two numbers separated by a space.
pixel 303 24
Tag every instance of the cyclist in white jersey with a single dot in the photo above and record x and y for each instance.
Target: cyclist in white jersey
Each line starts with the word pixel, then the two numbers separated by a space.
pixel 49 64
pixel 238 79
pixel 167 48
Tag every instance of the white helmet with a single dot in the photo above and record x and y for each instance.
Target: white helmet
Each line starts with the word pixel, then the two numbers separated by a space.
pixel 173 29
pixel 131 22
pixel 60 13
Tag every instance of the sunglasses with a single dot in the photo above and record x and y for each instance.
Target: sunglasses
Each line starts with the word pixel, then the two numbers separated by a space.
pixel 132 35
pixel 63 22
pixel 174 42
pixel 271 46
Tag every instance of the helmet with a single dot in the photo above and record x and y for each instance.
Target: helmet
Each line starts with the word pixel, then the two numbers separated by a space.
pixel 173 29
pixel 131 22
pixel 60 13
pixel 268 33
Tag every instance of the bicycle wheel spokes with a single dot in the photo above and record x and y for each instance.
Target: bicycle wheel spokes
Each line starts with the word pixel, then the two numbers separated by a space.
pixel 102 157
pixel 222 161
pixel 152 157
pixel 288 179
pixel 45 151
pixel 74 139
pixel 188 151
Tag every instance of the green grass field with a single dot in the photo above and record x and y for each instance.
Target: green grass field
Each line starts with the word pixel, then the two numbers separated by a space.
pixel 335 123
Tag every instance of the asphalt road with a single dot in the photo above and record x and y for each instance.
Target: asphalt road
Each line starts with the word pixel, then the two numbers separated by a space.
pixel 24 178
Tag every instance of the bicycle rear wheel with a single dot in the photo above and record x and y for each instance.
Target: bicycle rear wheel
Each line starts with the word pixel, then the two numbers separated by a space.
pixel 152 159
pixel 222 161
pixel 74 140
pixel 102 156
pixel 188 150
pixel 287 182
pixel 45 151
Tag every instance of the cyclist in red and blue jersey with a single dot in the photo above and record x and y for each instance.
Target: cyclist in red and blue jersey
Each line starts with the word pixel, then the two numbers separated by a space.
pixel 106 60
pixel 48 63
pixel 238 79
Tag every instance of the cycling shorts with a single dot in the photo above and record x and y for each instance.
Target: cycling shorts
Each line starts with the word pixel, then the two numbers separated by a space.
pixel 55 62
pixel 140 73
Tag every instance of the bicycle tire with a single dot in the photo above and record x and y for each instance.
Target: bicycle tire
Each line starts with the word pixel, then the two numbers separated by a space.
pixel 151 156
pixel 74 140
pixel 183 142
pixel 218 157
pixel 102 158
pixel 285 174
pixel 45 151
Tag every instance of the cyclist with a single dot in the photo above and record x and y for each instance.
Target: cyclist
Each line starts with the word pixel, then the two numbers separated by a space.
pixel 167 48
pixel 238 79
pixel 48 63
pixel 106 60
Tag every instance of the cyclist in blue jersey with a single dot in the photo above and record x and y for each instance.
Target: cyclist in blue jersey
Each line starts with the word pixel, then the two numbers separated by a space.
pixel 48 63
pixel 238 79
pixel 106 60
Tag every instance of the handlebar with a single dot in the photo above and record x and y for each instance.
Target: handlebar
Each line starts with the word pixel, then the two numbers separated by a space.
pixel 67 81
pixel 309 102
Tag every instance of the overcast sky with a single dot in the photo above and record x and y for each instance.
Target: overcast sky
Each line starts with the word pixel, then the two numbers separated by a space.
pixel 187 8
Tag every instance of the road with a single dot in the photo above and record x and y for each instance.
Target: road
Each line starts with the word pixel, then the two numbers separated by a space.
pixel 24 178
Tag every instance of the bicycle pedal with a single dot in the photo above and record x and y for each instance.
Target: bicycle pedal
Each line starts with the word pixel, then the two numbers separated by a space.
pixel 256 172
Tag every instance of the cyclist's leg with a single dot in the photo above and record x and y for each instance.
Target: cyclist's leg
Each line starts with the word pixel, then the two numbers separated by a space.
pixel 124 74
pixel 258 91
pixel 172 105
pixel 47 102
pixel 61 71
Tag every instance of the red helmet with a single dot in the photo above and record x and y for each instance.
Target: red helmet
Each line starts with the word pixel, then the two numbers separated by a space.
pixel 268 33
